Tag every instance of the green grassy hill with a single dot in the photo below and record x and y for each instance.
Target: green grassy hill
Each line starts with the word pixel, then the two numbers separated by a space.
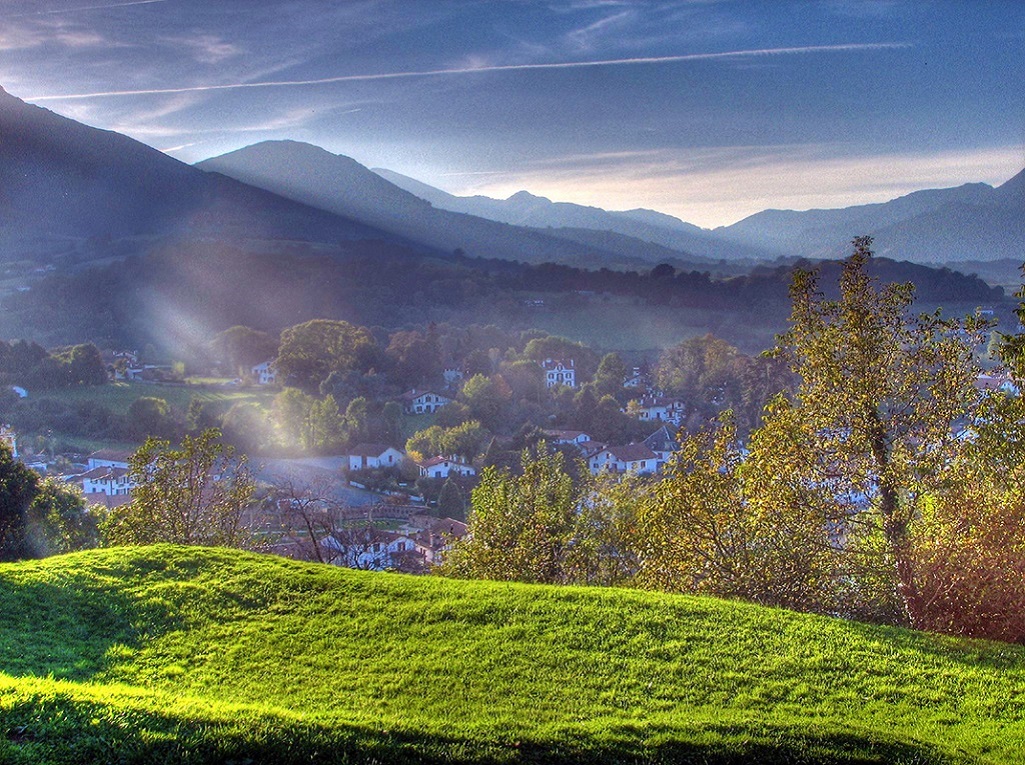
pixel 191 655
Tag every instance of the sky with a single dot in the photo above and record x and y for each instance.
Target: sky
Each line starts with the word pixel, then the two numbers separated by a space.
pixel 708 110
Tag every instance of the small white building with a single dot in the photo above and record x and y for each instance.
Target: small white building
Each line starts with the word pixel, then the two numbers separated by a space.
pixel 443 467
pixel 559 372
pixel 632 458
pixel 9 437
pixel 265 373
pixel 575 437
pixel 423 402
pixel 368 456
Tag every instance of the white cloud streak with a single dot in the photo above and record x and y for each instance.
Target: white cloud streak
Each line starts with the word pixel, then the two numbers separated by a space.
pixel 62 11
pixel 737 54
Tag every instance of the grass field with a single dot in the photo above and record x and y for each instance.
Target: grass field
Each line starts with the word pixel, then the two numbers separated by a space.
pixel 118 396
pixel 191 655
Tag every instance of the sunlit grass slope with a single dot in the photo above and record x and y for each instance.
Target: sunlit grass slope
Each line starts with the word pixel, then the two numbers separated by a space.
pixel 171 654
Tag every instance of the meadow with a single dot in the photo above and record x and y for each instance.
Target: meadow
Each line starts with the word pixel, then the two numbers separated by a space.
pixel 169 654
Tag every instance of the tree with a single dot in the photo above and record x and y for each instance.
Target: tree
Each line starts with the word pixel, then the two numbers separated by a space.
pixel 19 486
pixel 735 523
pixel 879 396
pixel 608 380
pixel 60 521
pixel 195 494
pixel 486 397
pixel 450 502
pixel 311 351
pixel 519 526
pixel 84 365
pixel 149 416
pixel 238 349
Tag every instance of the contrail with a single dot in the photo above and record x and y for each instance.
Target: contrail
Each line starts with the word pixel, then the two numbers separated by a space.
pixel 85 8
pixel 478 69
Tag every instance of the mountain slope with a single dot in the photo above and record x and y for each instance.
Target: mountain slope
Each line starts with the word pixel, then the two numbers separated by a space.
pixel 973 221
pixel 525 209
pixel 336 183
pixel 155 653
pixel 60 179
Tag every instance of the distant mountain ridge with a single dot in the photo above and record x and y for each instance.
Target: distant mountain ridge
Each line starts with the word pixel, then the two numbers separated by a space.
pixel 339 184
pixel 61 179
pixel 526 209
pixel 970 222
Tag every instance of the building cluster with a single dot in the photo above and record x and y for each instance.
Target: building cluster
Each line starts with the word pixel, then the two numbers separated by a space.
pixel 417 545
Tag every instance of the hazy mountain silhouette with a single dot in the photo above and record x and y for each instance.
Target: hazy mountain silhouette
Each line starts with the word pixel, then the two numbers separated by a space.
pixel 526 209
pixel 970 222
pixel 339 184
pixel 63 180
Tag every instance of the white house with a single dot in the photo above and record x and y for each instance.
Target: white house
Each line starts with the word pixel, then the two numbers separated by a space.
pixel 370 549
pixel 365 456
pixel 575 437
pixel 443 467
pixel 558 372
pixel 632 458
pixel 451 375
pixel 423 402
pixel 265 373
pixel 998 382
pixel 662 443
pixel 636 379
pixel 434 541
pixel 112 481
pixel 659 409
pixel 108 458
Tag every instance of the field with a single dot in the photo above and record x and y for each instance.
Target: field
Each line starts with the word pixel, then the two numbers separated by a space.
pixel 118 396
pixel 192 655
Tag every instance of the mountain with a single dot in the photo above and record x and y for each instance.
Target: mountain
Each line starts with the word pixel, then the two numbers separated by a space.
pixel 969 222
pixel 339 184
pixel 526 209
pixel 63 183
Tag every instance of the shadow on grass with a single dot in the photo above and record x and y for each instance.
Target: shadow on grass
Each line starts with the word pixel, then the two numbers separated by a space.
pixel 67 632
pixel 948 648
pixel 56 728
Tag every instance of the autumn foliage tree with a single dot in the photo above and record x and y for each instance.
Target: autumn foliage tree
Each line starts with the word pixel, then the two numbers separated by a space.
pixel 193 494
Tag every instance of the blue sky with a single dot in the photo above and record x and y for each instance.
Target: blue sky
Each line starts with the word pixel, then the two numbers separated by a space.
pixel 706 110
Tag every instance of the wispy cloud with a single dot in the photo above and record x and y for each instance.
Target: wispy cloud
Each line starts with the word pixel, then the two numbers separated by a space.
pixel 736 54
pixel 104 7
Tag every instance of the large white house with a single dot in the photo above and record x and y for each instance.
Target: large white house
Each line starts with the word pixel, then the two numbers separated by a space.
pixel 632 458
pixel 559 372
pixel 364 456
pixel 443 467
pixel 108 458
pixel 423 402
pixel 111 481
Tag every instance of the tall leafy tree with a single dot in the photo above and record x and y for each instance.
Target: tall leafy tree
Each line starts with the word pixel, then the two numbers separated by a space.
pixel 311 351
pixel 193 494
pixel 880 393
